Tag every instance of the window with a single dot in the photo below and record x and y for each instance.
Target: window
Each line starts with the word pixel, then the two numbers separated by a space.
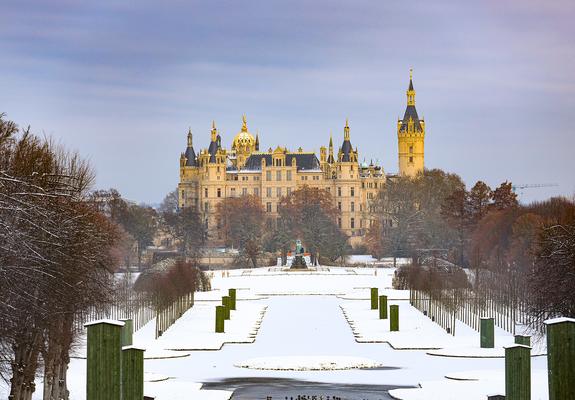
pixel 219 192
pixel 278 175
pixel 352 207
pixel 268 175
pixel 279 192
pixel 352 191
pixel 205 192
pixel 363 185
pixel 269 192
pixel 375 185
pixel 410 149
pixel 233 192
pixel 288 175
pixel 244 191
pixel 411 159
pixel 339 222
pixel 339 192
pixel 288 191
pixel 256 191
pixel 268 207
pixel 352 223
pixel 302 177
pixel 339 205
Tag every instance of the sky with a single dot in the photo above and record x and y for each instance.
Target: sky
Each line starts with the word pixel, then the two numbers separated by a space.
pixel 123 81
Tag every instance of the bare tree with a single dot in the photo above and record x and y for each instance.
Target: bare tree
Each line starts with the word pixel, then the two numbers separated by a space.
pixel 54 258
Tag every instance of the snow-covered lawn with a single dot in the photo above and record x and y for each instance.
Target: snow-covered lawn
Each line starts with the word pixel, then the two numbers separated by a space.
pixel 195 329
pixel 284 314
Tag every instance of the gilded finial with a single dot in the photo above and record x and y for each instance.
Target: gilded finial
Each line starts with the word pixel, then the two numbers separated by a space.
pixel 411 73
pixel 346 123
pixel 244 124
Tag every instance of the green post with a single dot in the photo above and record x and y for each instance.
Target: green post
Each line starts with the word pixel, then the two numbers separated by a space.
pixel 382 307
pixel 523 339
pixel 518 372
pixel 232 295
pixel 220 320
pixel 561 358
pixel 374 295
pixel 104 360
pixel 226 304
pixel 487 333
pixel 132 373
pixel 127 332
pixel 394 318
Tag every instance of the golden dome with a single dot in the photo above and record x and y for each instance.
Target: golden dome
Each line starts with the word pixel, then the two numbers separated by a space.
pixel 244 140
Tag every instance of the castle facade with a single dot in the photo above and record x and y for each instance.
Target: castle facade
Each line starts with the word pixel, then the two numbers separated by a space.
pixel 216 173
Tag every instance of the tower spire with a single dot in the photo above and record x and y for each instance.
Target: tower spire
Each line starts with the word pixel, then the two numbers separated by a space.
pixel 346 130
pixel 190 142
pixel 410 90
pixel 214 132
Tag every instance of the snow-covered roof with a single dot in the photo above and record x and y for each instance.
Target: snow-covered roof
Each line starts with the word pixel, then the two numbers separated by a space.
pixel 559 320
pixel 104 321
pixel 511 346
pixel 133 348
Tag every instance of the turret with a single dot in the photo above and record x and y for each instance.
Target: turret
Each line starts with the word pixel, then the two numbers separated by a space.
pixel 190 154
pixel 346 153
pixel 410 136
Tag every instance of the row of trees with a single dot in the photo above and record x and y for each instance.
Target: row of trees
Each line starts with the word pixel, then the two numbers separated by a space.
pixel 140 225
pixel 307 213
pixel 514 249
pixel 56 254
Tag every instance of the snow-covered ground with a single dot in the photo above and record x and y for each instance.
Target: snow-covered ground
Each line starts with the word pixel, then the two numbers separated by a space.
pixel 288 320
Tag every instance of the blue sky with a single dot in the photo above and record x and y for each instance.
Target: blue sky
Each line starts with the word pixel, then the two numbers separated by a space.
pixel 121 81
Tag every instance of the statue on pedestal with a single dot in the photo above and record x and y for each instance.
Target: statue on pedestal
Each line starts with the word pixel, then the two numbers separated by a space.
pixel 298 261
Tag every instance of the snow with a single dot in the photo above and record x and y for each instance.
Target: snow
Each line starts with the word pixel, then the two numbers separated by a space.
pixel 105 321
pixel 559 320
pixel 324 317
pixel 471 385
pixel 307 363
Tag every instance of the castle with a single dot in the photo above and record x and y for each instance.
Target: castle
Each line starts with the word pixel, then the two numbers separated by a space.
pixel 216 173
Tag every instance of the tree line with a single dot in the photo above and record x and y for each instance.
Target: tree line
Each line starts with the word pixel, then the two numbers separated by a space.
pixel 57 253
pixel 523 250
pixel 60 244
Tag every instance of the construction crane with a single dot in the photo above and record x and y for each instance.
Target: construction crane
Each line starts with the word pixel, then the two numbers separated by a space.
pixel 523 186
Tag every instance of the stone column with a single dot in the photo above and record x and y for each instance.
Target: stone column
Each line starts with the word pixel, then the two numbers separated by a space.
pixel 374 295
pixel 104 360
pixel 561 358
pixel 127 332
pixel 232 296
pixel 518 372
pixel 132 373
pixel 487 333
pixel 382 307
pixel 394 318
pixel 220 320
